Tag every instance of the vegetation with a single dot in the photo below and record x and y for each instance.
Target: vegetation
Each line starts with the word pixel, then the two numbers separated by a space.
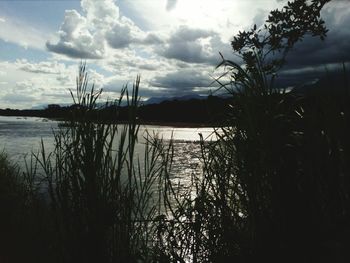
pixel 192 112
pixel 275 185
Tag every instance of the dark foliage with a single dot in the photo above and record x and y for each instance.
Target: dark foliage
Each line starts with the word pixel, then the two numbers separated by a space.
pixel 283 28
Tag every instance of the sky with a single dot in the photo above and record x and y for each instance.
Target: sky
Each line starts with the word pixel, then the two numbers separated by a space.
pixel 173 44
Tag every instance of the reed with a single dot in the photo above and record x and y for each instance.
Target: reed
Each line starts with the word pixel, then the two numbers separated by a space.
pixel 99 190
pixel 274 187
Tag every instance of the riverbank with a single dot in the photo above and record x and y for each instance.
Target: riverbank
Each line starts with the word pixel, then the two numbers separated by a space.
pixel 192 113
pixel 44 117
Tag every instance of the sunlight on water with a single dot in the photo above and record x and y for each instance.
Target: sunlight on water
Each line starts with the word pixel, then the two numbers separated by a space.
pixel 179 134
pixel 19 136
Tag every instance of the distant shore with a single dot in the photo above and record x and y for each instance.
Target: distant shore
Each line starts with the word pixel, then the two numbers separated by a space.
pixel 193 113
pixel 141 122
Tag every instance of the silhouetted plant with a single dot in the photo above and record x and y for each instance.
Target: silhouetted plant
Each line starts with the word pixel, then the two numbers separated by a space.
pixel 270 44
pixel 101 195
pixel 275 186
pixel 24 216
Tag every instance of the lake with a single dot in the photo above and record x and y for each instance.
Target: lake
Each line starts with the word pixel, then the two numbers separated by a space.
pixel 19 136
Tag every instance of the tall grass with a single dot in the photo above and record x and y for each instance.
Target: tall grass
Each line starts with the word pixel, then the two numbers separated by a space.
pixel 275 186
pixel 24 217
pixel 99 190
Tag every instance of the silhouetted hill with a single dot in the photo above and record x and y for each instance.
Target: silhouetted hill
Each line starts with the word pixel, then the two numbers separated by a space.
pixel 157 100
pixel 206 111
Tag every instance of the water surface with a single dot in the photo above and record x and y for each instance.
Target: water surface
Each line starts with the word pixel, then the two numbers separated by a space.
pixel 20 136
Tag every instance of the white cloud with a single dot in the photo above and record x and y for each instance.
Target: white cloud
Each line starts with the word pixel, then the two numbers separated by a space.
pixel 100 13
pixel 85 35
pixel 45 67
pixel 35 83
pixel 225 17
pixel 76 39
pixel 23 33
pixel 173 44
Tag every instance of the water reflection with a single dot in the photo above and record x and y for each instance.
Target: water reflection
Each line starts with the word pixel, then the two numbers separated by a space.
pixel 19 136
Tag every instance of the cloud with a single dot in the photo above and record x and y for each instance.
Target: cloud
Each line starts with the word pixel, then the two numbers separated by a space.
pixel 86 35
pixel 174 52
pixel 14 98
pixel 185 33
pixel 100 13
pixel 24 85
pixel 45 67
pixel 73 51
pixel 113 85
pixel 260 17
pixel 64 79
pixel 75 38
pixel 182 81
pixel 151 39
pixel 34 83
pixel 163 82
pixel 311 57
pixel 23 33
pixel 189 45
pixel 124 33
pixel 100 31
pixel 119 36
pixel 170 4
pixel 331 73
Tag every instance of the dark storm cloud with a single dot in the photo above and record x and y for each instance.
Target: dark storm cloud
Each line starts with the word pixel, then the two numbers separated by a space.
pixel 119 36
pixel 163 92
pixel 186 51
pixel 184 45
pixel 315 54
pixel 312 51
pixel 331 75
pixel 157 92
pixel 182 81
pixel 334 49
pixel 309 58
pixel 73 52
pixel 151 39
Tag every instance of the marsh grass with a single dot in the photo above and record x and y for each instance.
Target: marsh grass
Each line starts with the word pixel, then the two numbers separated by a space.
pixel 275 185
pixel 99 190
pixel 24 216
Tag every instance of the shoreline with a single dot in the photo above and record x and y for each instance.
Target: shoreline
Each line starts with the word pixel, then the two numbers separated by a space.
pixel 141 122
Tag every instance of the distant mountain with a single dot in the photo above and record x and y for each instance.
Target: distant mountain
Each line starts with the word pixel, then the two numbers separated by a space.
pixel 39 107
pixel 157 100
pixel 152 100
pixel 45 106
